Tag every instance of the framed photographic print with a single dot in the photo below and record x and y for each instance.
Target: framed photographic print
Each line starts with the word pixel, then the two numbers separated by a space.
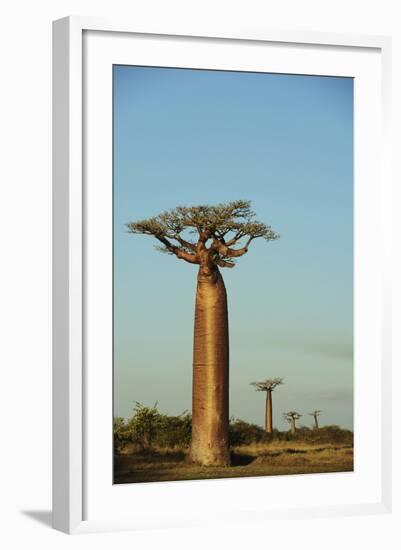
pixel 221 201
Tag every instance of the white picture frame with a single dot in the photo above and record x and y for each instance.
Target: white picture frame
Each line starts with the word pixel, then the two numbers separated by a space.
pixel 71 247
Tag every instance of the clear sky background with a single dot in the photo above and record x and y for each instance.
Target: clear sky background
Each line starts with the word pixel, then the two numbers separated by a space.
pixel 285 142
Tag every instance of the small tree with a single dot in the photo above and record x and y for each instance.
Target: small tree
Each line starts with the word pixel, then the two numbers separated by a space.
pixel 315 414
pixel 144 424
pixel 121 433
pixel 268 386
pixel 291 417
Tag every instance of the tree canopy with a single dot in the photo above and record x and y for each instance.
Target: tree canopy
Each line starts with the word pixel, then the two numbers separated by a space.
pixel 266 385
pixel 205 234
pixel 291 415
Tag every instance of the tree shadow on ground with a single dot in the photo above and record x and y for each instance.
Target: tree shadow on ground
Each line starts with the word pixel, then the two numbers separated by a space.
pixel 241 460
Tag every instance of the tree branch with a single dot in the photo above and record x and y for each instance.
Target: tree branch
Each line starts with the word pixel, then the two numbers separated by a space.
pixel 190 258
pixel 232 253
pixel 209 222
pixel 183 242
pixel 225 250
pixel 266 385
pixel 179 252
pixel 223 263
pixel 236 238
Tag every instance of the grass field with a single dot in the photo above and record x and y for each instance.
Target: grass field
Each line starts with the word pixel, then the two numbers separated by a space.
pixel 264 459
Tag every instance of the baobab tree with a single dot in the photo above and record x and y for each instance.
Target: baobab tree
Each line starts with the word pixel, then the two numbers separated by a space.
pixel 210 237
pixel 315 414
pixel 268 386
pixel 291 417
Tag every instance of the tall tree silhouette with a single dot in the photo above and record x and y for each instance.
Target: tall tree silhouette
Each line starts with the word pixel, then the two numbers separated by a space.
pixel 291 417
pixel 268 386
pixel 206 236
pixel 315 414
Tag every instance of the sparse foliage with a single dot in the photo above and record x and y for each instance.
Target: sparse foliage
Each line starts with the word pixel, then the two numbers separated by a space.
pixel 205 234
pixel 269 384
pixel 292 417
pixel 291 414
pixel 315 414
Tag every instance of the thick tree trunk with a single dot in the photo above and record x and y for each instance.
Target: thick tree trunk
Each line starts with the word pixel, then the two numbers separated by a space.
pixel 316 422
pixel 292 425
pixel 269 412
pixel 210 373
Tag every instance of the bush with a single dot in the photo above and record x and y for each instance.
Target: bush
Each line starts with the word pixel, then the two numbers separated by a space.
pixel 325 434
pixel 334 434
pixel 242 433
pixel 122 434
pixel 144 425
pixel 148 428
pixel 174 431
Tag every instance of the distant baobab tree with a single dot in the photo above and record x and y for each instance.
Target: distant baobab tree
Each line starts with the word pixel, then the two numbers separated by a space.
pixel 291 417
pixel 268 386
pixel 206 236
pixel 315 414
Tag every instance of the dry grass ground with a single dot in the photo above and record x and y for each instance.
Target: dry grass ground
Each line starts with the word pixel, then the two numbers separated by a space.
pixel 265 459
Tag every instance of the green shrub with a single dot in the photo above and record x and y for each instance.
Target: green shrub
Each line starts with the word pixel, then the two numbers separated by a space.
pixel 148 428
pixel 242 433
pixel 325 434
pixel 121 433
pixel 174 431
pixel 144 424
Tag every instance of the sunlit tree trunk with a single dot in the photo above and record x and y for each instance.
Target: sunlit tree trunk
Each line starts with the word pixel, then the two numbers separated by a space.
pixel 220 232
pixel 210 373
pixel 292 425
pixel 269 412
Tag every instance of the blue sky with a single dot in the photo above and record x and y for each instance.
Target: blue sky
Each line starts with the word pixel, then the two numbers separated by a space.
pixel 285 142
